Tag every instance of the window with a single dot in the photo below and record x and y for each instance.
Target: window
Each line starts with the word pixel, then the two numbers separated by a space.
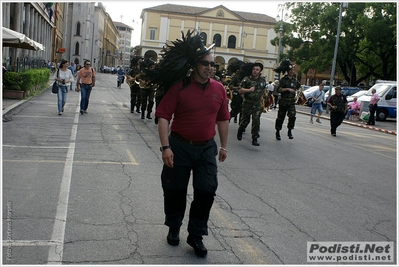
pixel 217 39
pixel 152 34
pixel 232 42
pixel 77 48
pixel 203 36
pixel 77 32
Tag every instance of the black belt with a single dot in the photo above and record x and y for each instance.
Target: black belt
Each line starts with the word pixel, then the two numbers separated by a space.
pixel 87 83
pixel 194 143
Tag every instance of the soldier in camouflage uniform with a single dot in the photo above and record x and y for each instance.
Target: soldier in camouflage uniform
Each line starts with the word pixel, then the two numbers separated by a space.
pixel 287 88
pixel 236 102
pixel 135 90
pixel 147 91
pixel 254 89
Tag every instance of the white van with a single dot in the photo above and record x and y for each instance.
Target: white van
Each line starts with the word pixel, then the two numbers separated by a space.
pixel 387 104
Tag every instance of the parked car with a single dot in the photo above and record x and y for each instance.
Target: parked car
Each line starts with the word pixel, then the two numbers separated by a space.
pixel 345 90
pixel 387 104
pixel 308 92
pixel 358 94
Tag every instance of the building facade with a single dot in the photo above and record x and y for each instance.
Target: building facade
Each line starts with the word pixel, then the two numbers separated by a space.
pixel 125 43
pixel 36 21
pixel 237 35
pixel 75 31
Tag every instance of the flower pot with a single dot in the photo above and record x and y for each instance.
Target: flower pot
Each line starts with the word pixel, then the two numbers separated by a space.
pixel 13 94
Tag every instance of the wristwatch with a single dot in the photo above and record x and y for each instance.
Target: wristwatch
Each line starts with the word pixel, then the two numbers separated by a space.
pixel 162 148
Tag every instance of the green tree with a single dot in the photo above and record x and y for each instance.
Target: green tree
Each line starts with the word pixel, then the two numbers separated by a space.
pixel 367 44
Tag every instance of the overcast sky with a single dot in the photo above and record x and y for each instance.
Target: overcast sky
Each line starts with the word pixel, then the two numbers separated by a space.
pixel 128 12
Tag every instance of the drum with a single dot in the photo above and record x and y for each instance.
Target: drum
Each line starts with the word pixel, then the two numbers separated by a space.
pixel 301 98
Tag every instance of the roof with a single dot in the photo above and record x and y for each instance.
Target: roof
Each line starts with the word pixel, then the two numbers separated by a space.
pixel 120 24
pixel 192 10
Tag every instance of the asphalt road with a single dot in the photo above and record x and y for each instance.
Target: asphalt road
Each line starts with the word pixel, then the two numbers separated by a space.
pixel 85 189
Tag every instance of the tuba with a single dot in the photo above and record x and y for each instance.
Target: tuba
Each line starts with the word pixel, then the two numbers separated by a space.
pixel 300 98
pixel 229 93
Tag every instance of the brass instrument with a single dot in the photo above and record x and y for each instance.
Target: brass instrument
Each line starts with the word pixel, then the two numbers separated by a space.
pixel 139 81
pixel 229 93
pixel 228 80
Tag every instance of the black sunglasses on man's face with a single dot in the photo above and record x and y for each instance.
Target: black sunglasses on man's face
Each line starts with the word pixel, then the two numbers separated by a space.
pixel 206 63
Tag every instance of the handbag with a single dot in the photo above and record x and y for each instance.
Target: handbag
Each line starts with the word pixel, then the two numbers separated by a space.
pixel 54 89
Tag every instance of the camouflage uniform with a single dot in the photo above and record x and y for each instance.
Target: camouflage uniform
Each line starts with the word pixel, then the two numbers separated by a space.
pixel 236 101
pixel 252 104
pixel 147 97
pixel 286 104
pixel 135 91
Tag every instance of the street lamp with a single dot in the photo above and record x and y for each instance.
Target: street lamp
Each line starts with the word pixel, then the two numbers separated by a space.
pixel 281 8
pixel 341 5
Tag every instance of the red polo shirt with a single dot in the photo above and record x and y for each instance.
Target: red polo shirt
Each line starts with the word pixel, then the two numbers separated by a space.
pixel 195 110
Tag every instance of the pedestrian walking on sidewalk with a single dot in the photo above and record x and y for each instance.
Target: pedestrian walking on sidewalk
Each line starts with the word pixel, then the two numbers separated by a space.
pixel 85 83
pixel 64 78
pixel 196 103
pixel 318 99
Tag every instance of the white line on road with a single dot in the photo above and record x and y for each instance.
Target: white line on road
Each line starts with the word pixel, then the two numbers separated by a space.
pixel 56 252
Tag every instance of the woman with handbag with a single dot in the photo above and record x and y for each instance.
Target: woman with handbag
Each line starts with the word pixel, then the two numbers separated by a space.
pixel 64 77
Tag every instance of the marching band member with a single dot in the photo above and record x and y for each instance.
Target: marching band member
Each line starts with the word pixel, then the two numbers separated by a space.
pixel 287 87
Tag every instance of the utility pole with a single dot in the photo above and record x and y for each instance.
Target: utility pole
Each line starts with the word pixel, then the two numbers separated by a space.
pixel 336 50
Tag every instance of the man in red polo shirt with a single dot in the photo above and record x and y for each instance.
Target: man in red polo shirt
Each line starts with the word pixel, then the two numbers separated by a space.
pixel 196 105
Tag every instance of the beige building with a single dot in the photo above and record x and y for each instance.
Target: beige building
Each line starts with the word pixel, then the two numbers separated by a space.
pixel 237 35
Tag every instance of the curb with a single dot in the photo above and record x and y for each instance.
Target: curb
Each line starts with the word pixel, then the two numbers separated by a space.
pixel 357 124
pixel 372 128
pixel 10 108
pixel 6 110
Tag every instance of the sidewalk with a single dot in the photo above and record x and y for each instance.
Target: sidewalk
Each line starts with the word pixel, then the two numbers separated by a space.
pixel 9 104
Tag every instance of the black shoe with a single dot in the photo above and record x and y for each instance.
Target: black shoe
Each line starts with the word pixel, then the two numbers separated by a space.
pixel 235 119
pixel 149 116
pixel 138 110
pixel 255 142
pixel 142 116
pixel 156 120
pixel 173 236
pixel 290 134
pixel 196 243
pixel 81 111
pixel 278 137
pixel 239 135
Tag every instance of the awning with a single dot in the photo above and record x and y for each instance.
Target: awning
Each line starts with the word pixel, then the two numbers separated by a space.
pixel 18 40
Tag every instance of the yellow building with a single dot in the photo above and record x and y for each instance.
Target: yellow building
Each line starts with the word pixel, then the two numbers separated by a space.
pixel 237 35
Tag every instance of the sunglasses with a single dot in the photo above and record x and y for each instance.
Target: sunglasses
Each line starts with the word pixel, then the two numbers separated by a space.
pixel 88 64
pixel 206 63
